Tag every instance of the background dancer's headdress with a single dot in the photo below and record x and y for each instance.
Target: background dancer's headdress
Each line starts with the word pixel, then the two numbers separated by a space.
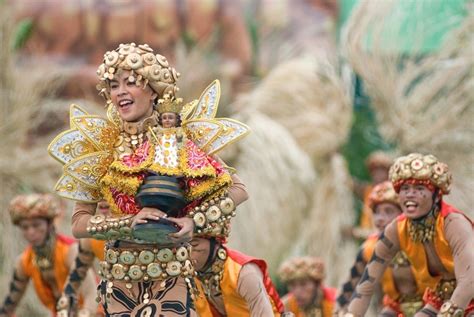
pixel 378 159
pixel 302 268
pixel 383 193
pixel 33 206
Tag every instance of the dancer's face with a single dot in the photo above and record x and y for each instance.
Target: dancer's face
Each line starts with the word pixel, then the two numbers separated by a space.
pixel 304 291
pixel 35 230
pixel 200 252
pixel 169 119
pixel 134 103
pixel 415 199
pixel 384 213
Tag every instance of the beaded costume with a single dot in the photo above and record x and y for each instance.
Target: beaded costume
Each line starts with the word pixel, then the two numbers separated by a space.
pixel 108 158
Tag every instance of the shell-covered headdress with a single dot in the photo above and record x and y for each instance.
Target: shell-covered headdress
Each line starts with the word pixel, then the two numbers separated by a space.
pixel 383 193
pixel 423 169
pixel 33 206
pixel 302 268
pixel 144 65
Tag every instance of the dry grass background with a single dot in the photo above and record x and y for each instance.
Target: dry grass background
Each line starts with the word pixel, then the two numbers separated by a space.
pixel 22 167
pixel 423 102
pixel 300 115
pixel 301 215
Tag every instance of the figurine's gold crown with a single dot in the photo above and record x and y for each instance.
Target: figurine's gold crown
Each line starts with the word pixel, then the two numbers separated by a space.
pixel 420 167
pixel 170 104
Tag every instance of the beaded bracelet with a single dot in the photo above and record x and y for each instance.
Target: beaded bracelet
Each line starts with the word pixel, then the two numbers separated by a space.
pixel 102 228
pixel 449 309
pixel 213 217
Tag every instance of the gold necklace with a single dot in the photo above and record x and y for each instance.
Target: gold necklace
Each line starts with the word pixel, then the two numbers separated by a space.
pixel 212 277
pixel 315 309
pixel 44 254
pixel 423 230
pixel 133 134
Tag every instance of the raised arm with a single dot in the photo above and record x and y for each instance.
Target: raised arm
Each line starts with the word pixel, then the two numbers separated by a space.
pixel 250 286
pixel 18 286
pixel 385 249
pixel 460 236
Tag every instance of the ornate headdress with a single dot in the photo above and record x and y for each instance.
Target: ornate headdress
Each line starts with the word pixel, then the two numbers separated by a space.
pixel 145 68
pixel 383 193
pixel 378 159
pixel 170 104
pixel 423 169
pixel 33 206
pixel 302 268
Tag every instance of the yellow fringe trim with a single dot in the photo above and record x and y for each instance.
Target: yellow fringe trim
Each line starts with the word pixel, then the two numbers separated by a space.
pixel 170 171
pixel 212 186
pixel 183 168
pixel 121 167
pixel 124 183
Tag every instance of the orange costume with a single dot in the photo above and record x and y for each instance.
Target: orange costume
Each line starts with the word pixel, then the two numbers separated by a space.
pixel 366 216
pixel 47 291
pixel 327 305
pixel 236 303
pixel 98 247
pixel 437 243
pixel 46 265
pixel 402 304
pixel 307 268
pixel 437 289
pixel 401 295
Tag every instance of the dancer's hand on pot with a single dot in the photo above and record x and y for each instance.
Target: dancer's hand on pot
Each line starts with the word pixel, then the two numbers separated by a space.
pixel 146 214
pixel 185 233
